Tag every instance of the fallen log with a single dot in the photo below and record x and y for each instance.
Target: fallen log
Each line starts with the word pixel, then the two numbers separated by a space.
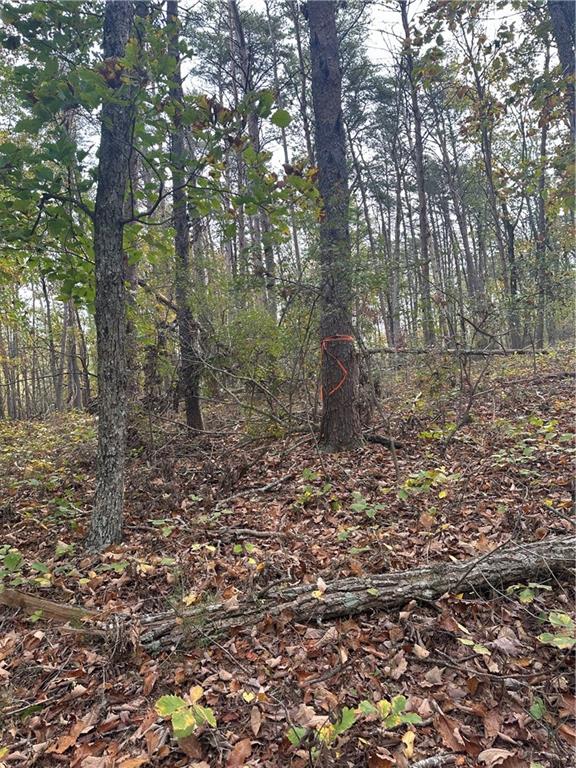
pixel 507 564
pixel 347 597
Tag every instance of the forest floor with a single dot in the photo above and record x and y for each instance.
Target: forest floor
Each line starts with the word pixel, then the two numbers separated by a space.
pixel 199 525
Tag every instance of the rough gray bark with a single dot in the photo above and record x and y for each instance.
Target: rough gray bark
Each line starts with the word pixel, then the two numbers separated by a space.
pixel 188 328
pixel 340 426
pixel 117 119
pixel 352 596
pixel 562 14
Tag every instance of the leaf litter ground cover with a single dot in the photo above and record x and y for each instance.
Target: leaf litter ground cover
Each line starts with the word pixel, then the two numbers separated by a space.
pixel 484 679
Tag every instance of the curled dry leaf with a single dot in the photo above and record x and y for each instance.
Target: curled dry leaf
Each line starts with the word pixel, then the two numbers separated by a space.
pixel 420 652
pixel 493 756
pixel 307 717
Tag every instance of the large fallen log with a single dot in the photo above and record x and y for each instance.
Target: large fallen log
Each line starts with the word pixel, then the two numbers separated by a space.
pixel 491 572
pixel 347 597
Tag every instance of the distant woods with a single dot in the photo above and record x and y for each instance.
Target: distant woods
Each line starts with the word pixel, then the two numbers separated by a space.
pixel 221 205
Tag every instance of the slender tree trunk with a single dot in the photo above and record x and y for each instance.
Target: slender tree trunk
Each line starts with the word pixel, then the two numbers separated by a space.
pixel 188 328
pixel 427 315
pixel 83 357
pixel 265 269
pixel 340 425
pixel 118 113
pixel 74 387
pixel 51 347
pixel 542 223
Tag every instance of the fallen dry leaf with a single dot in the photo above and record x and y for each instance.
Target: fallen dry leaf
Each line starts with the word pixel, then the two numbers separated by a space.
pixel 307 717
pixel 398 665
pixel 255 720
pixel 448 728
pixel 494 756
pixel 492 724
pixel 134 762
pixel 191 746
pixel 420 652
pixel 240 753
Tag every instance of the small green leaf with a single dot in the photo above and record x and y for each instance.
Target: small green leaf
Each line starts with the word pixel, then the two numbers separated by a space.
pixel 167 705
pixel 398 705
pixel 481 649
pixel 411 717
pixel 13 560
pixel 384 708
pixel 367 708
pixel 347 720
pixel 204 715
pixel 39 567
pixel 281 118
pixel 538 709
pixel 296 735
pixel 560 620
pixel 526 596
pixel 546 637
pixel 563 642
pixel 183 723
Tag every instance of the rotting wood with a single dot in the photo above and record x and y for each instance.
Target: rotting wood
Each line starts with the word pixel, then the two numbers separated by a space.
pixel 342 597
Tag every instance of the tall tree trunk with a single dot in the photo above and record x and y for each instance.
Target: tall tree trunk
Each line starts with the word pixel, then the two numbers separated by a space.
pixel 52 347
pixel 427 316
pixel 340 426
pixel 188 328
pixel 74 386
pixel 562 14
pixel 303 90
pixel 542 223
pixel 118 113
pixel 265 269
pixel 83 357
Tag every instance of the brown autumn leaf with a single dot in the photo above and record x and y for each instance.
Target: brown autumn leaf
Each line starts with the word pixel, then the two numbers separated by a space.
pixel 433 677
pixel 514 762
pixel 96 762
pixel 494 756
pixel 568 733
pixel 492 724
pixel 420 652
pixel 240 753
pixel 307 717
pixel 398 665
pixel 448 728
pixel 380 760
pixel 150 678
pixel 191 746
pixel 255 720
pixel 134 762
pixel 69 739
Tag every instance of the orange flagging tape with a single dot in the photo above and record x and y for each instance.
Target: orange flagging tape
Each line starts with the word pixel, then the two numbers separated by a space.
pixel 324 346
